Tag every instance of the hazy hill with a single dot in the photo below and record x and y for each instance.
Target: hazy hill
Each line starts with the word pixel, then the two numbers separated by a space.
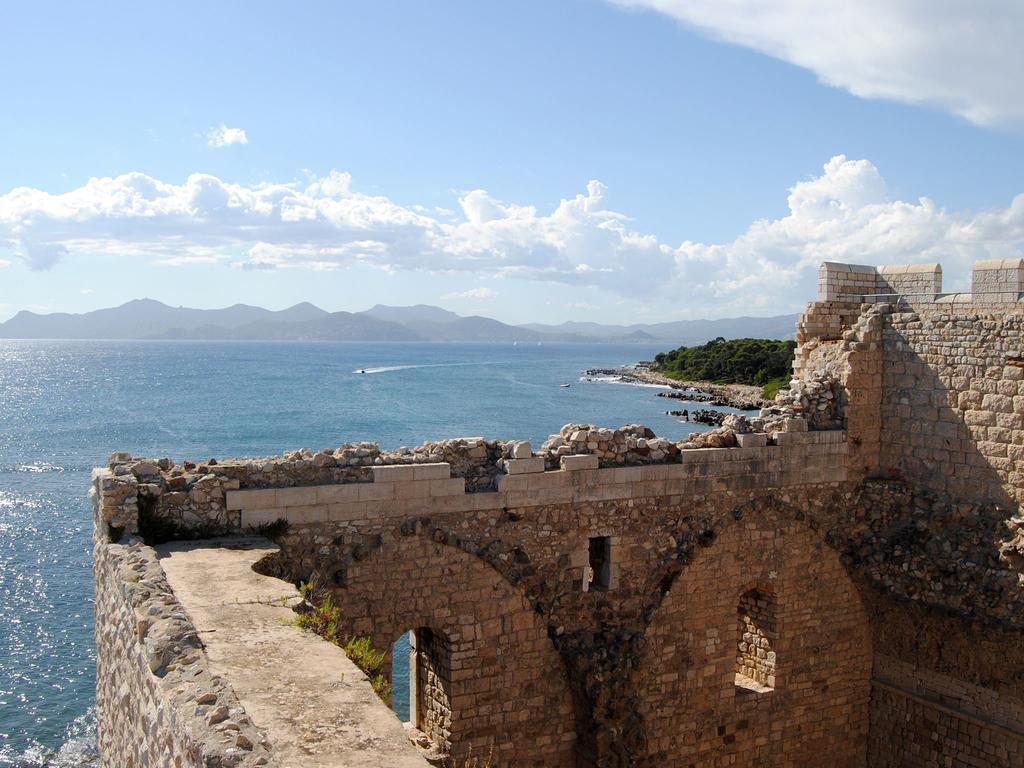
pixel 682 332
pixel 418 313
pixel 439 324
pixel 327 326
pixel 140 318
pixel 149 319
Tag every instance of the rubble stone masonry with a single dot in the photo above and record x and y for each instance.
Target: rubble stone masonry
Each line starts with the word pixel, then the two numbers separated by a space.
pixel 842 590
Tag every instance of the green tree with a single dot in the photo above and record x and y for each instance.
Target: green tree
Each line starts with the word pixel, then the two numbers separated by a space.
pixel 737 361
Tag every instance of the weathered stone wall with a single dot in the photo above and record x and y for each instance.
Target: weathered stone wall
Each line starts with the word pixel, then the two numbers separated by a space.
pixel 953 400
pixel 922 718
pixel 502 577
pixel 934 404
pixel 157 702
pixel 433 706
pixel 580 655
pixel 951 415
pixel 697 713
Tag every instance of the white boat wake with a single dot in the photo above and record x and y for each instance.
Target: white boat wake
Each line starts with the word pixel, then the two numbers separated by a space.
pixel 389 368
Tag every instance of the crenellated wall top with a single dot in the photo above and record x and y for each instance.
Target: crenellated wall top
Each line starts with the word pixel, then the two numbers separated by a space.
pixel 993 281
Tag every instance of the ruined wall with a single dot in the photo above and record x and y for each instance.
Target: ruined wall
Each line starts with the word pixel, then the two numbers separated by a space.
pixel 945 414
pixel 953 420
pixel 922 718
pixel 502 576
pixel 156 699
pixel 496 664
pixel 695 709
pixel 953 400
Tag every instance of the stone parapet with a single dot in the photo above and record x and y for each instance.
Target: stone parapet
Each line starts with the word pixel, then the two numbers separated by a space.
pixel 797 458
pixel 923 281
pixel 837 282
pixel 997 281
pixel 854 282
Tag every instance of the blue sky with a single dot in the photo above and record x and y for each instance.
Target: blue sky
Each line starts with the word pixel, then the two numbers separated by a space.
pixel 403 152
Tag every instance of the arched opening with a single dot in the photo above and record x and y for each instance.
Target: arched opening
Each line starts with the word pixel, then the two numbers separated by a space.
pixel 421 679
pixel 486 664
pixel 759 567
pixel 757 617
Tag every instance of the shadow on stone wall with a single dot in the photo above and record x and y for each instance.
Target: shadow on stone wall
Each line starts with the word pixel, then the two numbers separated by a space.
pixel 954 438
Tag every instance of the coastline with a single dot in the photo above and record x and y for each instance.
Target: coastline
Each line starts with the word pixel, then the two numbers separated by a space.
pixel 742 396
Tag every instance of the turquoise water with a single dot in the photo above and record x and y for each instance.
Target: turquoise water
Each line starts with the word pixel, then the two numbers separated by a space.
pixel 64 406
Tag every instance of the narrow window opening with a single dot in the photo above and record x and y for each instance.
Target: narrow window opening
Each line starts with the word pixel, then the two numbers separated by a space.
pixel 600 563
pixel 421 686
pixel 403 677
pixel 755 651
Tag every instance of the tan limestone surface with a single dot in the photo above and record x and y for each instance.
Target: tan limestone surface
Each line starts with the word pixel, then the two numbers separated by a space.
pixel 317 708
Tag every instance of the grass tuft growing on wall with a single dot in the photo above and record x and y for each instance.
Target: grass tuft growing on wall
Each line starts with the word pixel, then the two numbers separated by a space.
pixel 323 619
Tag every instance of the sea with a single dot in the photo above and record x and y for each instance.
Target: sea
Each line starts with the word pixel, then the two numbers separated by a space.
pixel 66 405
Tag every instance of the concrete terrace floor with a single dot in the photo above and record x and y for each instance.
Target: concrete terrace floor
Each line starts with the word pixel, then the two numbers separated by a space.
pixel 316 707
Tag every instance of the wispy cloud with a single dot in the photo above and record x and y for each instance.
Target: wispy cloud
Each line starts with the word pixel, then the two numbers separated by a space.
pixel 846 214
pixel 222 136
pixel 473 294
pixel 4 263
pixel 963 57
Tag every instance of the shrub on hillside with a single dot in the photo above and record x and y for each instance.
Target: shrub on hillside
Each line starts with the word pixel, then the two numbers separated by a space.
pixel 736 361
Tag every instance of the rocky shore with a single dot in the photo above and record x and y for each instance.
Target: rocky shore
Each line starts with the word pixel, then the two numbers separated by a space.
pixel 701 416
pixel 742 396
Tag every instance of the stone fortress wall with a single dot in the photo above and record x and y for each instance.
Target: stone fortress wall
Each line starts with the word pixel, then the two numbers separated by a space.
pixel 843 580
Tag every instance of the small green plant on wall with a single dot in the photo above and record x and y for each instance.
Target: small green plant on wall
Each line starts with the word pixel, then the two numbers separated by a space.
pixel 322 618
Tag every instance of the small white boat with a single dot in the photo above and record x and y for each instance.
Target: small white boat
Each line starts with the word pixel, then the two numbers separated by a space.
pixel 565 386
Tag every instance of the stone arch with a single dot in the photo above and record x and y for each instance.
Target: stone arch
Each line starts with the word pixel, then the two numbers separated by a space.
pixel 507 690
pixel 686 682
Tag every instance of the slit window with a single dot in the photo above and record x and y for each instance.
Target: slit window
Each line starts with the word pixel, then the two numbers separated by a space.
pixel 600 563
pixel 755 650
pixel 421 675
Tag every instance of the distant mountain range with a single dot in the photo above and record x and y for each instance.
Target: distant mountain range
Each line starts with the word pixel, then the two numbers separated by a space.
pixel 150 319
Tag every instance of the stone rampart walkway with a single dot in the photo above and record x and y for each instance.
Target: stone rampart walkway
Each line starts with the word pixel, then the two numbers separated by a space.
pixel 317 708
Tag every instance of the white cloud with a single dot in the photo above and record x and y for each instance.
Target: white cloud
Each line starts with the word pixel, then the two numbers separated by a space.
pixel 964 57
pixel 580 305
pixel 190 258
pixel 473 294
pixel 4 263
pixel 222 136
pixel 844 214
